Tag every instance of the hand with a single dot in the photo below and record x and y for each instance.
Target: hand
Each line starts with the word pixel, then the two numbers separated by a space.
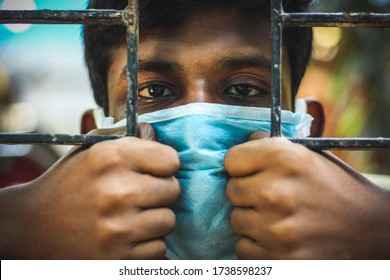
pixel 292 203
pixel 109 201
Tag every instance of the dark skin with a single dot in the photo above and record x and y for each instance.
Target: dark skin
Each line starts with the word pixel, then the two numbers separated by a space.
pixel 111 201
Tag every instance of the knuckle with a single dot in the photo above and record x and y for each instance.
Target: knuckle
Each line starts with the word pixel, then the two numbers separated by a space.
pixel 114 195
pixel 290 159
pixel 108 202
pixel 285 235
pixel 281 196
pixel 104 156
pixel 109 230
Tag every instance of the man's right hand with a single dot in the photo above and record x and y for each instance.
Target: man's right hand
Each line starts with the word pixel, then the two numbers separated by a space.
pixel 109 201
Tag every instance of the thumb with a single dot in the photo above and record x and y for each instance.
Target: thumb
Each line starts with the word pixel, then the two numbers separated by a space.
pixel 146 131
pixel 258 135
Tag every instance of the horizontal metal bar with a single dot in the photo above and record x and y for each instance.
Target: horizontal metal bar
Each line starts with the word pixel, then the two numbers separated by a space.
pixel 345 19
pixel 376 20
pixel 56 139
pixel 344 143
pixel 108 17
pixel 311 143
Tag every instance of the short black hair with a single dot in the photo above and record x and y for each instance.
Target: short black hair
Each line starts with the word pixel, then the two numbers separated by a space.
pixel 101 40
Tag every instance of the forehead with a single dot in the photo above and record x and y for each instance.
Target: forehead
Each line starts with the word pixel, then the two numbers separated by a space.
pixel 219 26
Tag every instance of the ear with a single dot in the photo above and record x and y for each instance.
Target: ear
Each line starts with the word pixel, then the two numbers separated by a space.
pixel 316 110
pixel 87 122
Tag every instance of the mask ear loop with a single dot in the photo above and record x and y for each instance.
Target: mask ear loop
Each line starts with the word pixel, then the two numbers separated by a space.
pixel 101 121
pixel 300 106
pixel 306 126
pixel 313 107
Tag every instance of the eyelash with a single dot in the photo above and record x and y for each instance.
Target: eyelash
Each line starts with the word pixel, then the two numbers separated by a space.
pixel 155 84
pixel 248 86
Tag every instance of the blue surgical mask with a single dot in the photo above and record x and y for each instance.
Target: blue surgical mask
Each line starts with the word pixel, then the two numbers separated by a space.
pixel 201 133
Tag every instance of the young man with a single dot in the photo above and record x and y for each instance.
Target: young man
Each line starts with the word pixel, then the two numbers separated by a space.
pixel 122 199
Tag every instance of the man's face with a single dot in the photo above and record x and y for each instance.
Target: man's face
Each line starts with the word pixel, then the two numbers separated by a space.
pixel 216 56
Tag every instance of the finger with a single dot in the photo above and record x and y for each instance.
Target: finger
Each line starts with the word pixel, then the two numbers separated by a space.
pixel 146 131
pixel 246 191
pixel 140 191
pixel 151 224
pixel 259 226
pixel 151 157
pixel 149 250
pixel 245 222
pixel 140 155
pixel 127 230
pixel 157 192
pixel 264 190
pixel 258 135
pixel 248 249
pixel 108 131
pixel 254 156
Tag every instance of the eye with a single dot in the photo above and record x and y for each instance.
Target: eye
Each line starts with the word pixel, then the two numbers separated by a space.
pixel 155 91
pixel 244 90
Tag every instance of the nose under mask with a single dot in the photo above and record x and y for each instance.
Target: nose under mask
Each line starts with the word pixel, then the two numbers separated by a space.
pixel 201 133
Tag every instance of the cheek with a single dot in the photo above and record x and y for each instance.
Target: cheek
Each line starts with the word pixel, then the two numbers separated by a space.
pixel 117 99
pixel 117 86
pixel 117 96
pixel 119 112
pixel 287 99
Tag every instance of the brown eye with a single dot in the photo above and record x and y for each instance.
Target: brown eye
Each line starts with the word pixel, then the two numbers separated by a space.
pixel 243 90
pixel 155 91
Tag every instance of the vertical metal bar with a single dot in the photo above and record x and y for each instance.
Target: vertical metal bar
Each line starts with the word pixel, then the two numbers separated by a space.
pixel 276 37
pixel 131 17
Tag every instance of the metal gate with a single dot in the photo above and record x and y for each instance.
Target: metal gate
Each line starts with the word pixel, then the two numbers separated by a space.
pixel 129 17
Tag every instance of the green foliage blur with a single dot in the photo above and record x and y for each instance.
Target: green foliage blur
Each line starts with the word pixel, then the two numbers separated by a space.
pixel 360 82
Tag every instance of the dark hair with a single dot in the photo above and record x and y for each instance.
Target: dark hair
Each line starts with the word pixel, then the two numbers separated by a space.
pixel 101 40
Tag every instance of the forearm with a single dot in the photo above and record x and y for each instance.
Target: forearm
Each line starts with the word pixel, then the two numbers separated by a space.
pixel 14 211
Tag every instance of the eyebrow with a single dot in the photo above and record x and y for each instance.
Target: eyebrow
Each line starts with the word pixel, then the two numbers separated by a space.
pixel 163 66
pixel 261 62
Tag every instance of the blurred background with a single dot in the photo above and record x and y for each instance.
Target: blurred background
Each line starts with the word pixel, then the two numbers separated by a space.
pixel 350 74
pixel 44 84
pixel 44 87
